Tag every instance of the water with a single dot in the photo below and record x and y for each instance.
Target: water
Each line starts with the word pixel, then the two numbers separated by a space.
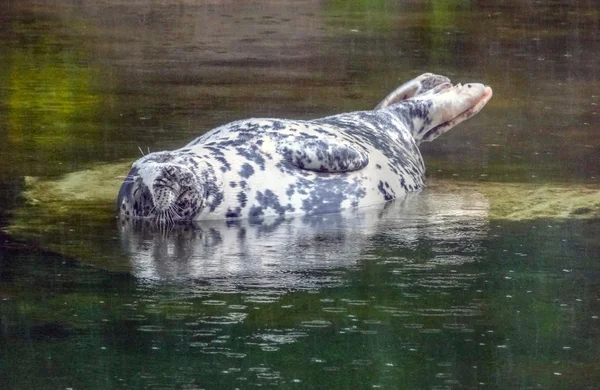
pixel 487 279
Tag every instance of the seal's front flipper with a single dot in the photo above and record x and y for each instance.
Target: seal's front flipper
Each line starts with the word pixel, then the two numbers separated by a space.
pixel 335 156
pixel 418 86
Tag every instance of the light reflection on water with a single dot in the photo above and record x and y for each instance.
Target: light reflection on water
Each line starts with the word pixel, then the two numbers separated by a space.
pixel 442 290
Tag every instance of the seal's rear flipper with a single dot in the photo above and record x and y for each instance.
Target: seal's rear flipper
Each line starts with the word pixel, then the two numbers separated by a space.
pixel 452 107
pixel 415 87
pixel 335 156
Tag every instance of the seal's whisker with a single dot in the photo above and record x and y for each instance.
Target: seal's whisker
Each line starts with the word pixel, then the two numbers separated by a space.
pixel 141 151
pixel 174 215
pixel 159 219
pixel 174 212
pixel 151 210
pixel 165 219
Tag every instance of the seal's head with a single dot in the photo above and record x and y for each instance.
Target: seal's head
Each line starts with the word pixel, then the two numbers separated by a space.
pixel 163 187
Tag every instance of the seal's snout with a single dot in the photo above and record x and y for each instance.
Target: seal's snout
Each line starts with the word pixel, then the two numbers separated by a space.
pixel 163 197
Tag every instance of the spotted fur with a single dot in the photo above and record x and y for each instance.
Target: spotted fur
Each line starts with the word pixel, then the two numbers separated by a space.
pixel 258 168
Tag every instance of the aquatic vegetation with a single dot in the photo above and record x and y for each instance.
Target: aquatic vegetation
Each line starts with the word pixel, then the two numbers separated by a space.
pixel 50 96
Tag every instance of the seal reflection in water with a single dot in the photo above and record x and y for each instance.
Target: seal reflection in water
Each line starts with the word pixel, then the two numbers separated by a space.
pixel 259 168
pixel 451 224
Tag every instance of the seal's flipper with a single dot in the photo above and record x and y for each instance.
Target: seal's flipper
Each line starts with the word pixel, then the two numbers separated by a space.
pixel 439 109
pixel 452 107
pixel 415 87
pixel 335 156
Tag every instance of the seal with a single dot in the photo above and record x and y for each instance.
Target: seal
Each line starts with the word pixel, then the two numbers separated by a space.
pixel 259 168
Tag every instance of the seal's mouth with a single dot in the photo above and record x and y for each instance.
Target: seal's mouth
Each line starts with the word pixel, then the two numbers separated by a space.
pixel 463 116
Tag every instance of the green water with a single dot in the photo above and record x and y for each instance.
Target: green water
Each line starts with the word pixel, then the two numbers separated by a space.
pixel 487 279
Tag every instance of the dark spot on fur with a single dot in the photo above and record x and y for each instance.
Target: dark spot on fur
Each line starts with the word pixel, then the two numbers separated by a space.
pixel 233 213
pixel 246 171
pixel 242 198
pixel 386 195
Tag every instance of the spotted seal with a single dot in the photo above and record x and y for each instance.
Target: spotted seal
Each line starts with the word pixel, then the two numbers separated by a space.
pixel 258 168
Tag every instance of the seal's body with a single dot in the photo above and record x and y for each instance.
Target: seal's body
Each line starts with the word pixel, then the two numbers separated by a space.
pixel 258 168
